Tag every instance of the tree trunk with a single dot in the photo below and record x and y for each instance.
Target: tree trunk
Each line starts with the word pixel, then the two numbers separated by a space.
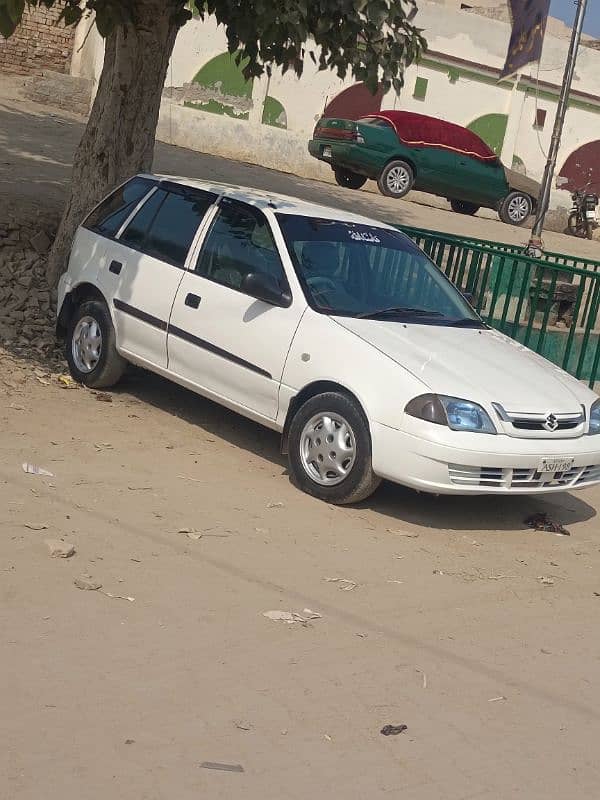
pixel 119 137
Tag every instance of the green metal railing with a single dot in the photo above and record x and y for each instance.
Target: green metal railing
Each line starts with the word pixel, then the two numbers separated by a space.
pixel 550 304
pixel 555 258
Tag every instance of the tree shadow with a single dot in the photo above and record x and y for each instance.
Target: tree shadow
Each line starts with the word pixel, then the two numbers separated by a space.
pixel 397 503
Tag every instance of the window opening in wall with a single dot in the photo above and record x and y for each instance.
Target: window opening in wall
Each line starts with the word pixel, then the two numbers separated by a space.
pixel 420 88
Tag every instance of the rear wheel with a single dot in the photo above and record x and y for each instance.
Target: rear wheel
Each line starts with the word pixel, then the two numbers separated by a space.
pixel 348 179
pixel 329 450
pixel 90 347
pixel 396 179
pixel 589 230
pixel 515 208
pixel 462 207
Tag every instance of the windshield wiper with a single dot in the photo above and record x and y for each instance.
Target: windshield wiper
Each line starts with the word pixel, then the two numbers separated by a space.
pixel 381 312
pixel 467 322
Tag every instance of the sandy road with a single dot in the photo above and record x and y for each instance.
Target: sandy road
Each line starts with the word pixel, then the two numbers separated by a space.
pixel 448 615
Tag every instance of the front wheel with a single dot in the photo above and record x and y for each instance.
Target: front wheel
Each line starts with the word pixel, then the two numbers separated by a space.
pixel 462 207
pixel 515 208
pixel 577 225
pixel 329 450
pixel 90 347
pixel 396 180
pixel 348 179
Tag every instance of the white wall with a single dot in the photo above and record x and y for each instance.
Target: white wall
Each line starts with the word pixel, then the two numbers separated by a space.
pixel 449 31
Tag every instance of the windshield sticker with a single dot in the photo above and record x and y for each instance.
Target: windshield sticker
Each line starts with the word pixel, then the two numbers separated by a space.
pixel 361 236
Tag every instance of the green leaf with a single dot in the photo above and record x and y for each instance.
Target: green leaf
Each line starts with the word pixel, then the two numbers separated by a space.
pixel 104 21
pixel 15 10
pixel 7 25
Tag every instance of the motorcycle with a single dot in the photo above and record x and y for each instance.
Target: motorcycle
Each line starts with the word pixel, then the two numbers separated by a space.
pixel 583 217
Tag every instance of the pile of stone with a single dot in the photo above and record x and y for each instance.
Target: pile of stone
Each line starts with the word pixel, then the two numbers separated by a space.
pixel 27 305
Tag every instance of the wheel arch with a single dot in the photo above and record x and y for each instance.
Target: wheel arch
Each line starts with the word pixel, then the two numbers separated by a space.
pixel 401 157
pixel 77 295
pixel 312 390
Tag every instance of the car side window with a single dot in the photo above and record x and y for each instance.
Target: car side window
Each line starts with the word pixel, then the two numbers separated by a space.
pixel 240 242
pixel 112 212
pixel 166 224
pixel 135 233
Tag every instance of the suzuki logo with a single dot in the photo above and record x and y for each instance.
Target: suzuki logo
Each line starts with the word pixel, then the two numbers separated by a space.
pixel 551 423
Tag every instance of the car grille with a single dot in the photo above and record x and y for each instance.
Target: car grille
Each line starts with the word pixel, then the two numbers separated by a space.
pixel 549 424
pixel 537 425
pixel 521 478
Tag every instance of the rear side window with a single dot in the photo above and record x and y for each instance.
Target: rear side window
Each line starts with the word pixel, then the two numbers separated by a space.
pixel 108 217
pixel 135 233
pixel 166 224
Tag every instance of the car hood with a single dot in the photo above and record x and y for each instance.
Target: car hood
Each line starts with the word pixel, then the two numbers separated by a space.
pixel 522 183
pixel 480 365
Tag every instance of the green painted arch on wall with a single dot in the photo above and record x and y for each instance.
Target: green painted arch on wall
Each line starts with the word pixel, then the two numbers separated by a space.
pixel 492 129
pixel 224 73
pixel 223 77
pixel 274 113
pixel 519 165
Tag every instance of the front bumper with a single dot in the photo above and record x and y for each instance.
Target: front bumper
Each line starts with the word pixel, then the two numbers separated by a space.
pixel 480 464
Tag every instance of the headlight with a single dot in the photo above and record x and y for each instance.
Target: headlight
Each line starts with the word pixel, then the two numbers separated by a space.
pixel 595 418
pixel 457 414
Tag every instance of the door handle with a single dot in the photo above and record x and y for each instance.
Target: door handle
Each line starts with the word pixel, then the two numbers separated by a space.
pixel 116 267
pixel 192 300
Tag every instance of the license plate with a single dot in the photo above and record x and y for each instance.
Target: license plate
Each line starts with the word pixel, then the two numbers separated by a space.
pixel 590 214
pixel 555 464
pixel 326 152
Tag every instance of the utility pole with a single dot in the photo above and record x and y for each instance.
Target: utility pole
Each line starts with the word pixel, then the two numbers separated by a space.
pixel 535 246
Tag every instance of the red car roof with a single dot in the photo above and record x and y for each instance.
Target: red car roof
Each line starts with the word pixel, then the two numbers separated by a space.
pixel 419 130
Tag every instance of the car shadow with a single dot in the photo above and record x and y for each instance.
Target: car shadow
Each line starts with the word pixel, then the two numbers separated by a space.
pixel 397 504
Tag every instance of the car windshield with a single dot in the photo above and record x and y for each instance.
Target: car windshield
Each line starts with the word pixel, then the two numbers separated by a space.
pixel 356 270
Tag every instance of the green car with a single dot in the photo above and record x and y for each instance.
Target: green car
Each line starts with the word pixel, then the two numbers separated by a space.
pixel 403 151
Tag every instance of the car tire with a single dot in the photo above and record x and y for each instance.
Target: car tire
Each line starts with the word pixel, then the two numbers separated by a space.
pixel 348 179
pixel 396 179
pixel 90 347
pixel 516 208
pixel 350 477
pixel 462 207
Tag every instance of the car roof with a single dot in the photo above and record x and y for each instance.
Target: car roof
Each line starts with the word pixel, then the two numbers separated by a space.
pixel 280 203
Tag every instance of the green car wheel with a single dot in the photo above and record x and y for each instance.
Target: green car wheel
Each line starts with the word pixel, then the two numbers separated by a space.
pixel 396 179
pixel 348 179
pixel 462 207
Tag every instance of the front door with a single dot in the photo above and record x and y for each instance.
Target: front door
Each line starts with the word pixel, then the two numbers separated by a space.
pixel 146 264
pixel 221 339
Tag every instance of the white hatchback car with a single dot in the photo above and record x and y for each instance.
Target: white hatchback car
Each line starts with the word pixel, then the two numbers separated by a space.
pixel 333 329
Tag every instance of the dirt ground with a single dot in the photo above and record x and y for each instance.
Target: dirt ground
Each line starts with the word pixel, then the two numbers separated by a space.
pixel 477 633
pixel 450 629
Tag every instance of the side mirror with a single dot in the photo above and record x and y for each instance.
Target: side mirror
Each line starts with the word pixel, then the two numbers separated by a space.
pixel 264 287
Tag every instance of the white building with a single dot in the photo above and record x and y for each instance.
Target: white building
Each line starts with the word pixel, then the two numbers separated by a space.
pixel 208 106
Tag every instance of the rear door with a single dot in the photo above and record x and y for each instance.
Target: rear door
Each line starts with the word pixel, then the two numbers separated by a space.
pixel 146 264
pixel 102 226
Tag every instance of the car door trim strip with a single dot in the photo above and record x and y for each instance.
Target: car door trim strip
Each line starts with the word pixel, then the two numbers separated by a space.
pixel 172 330
pixel 218 351
pixel 139 314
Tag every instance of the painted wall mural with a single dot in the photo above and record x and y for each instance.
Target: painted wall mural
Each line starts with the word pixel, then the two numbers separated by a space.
pixel 354 102
pixel 583 167
pixel 219 87
pixel 492 129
